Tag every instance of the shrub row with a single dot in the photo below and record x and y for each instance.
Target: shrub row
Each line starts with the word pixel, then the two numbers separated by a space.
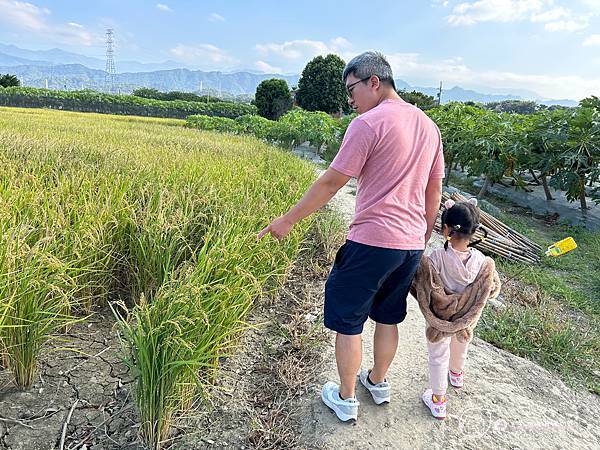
pixel 297 126
pixel 98 102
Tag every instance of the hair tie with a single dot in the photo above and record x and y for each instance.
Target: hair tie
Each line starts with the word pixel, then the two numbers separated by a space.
pixel 483 230
pixel 472 201
pixel 449 203
pixel 479 241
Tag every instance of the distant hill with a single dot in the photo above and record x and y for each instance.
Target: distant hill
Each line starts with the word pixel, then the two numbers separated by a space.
pixel 10 60
pixel 458 94
pixel 67 70
pixel 77 76
pixel 57 56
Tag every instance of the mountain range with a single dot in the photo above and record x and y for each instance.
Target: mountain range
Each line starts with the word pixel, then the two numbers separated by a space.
pixel 59 69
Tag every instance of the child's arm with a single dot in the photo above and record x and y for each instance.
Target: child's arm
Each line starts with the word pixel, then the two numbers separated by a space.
pixel 433 196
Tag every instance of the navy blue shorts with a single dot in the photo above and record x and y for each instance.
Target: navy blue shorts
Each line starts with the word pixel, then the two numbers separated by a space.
pixel 368 281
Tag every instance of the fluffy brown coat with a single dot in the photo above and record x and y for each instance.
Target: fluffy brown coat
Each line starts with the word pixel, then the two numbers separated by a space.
pixel 448 314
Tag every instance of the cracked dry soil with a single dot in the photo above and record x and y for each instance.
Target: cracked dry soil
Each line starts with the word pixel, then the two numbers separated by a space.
pixel 92 375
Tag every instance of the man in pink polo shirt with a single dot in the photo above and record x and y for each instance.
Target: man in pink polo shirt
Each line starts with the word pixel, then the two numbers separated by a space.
pixel 395 151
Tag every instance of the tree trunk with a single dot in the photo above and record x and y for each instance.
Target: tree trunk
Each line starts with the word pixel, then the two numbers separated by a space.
pixel 484 188
pixel 534 177
pixel 582 195
pixel 546 188
pixel 448 170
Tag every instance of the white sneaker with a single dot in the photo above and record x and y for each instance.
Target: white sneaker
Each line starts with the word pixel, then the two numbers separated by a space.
pixel 380 391
pixel 456 379
pixel 438 410
pixel 344 409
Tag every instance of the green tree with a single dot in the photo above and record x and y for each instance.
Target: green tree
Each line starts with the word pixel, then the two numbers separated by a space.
pixel 513 106
pixel 321 87
pixel 545 137
pixel 420 100
pixel 273 98
pixel 497 148
pixel 580 158
pixel 590 102
pixel 457 123
pixel 176 95
pixel 8 80
pixel 147 93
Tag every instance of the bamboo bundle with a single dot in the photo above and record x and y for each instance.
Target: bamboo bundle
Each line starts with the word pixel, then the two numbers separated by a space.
pixel 501 240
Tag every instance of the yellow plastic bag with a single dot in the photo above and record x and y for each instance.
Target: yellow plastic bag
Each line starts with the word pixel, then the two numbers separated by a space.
pixel 561 247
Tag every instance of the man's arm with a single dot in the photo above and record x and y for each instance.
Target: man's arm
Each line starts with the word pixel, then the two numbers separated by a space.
pixel 316 197
pixel 433 196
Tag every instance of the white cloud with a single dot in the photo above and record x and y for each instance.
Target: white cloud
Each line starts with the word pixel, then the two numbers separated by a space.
pixel 339 43
pixel 23 16
pixel 303 49
pixel 214 17
pixel 202 54
pixel 593 5
pixel 537 11
pixel 267 68
pixel 455 72
pixel 551 15
pixel 163 7
pixel 567 25
pixel 495 11
pixel 592 40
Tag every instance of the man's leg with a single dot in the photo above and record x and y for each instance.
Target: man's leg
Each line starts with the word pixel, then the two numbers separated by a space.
pixel 385 343
pixel 348 355
pixel 389 309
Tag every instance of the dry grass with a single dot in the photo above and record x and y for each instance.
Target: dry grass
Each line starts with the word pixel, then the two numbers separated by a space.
pixel 291 359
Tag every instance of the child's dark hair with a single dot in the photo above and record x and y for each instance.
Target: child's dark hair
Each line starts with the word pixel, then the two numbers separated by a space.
pixel 462 219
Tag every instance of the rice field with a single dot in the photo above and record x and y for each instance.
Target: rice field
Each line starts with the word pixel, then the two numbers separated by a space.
pixel 154 219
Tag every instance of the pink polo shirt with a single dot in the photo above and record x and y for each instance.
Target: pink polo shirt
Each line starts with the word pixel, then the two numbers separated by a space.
pixel 393 150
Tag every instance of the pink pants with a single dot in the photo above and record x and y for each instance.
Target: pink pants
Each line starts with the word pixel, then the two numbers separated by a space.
pixel 446 354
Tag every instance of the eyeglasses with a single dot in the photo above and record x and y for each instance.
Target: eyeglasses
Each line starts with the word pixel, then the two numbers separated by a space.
pixel 350 87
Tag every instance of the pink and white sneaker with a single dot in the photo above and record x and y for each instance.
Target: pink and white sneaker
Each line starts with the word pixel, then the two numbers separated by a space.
pixel 438 410
pixel 456 379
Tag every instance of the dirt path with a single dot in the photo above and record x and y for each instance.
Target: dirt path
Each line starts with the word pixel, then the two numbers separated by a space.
pixel 507 401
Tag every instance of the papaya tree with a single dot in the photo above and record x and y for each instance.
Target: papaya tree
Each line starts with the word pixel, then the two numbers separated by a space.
pixel 545 137
pixel 457 123
pixel 590 102
pixel 497 147
pixel 580 157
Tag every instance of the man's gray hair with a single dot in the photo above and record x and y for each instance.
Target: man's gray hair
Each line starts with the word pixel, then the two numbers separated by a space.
pixel 368 64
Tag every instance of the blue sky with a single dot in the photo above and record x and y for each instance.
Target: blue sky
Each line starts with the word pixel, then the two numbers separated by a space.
pixel 549 46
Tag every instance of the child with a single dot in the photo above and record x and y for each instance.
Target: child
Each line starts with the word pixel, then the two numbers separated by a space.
pixel 457 265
